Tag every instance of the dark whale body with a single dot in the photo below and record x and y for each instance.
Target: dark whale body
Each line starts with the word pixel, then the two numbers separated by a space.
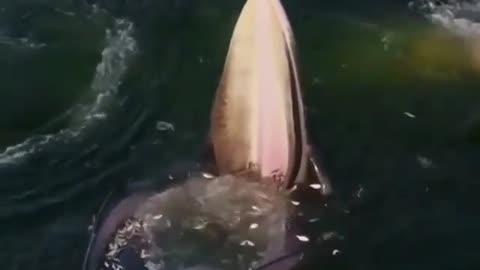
pixel 239 214
pixel 119 207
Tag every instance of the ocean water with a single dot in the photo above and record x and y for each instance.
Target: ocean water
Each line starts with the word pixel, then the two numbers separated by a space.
pixel 100 94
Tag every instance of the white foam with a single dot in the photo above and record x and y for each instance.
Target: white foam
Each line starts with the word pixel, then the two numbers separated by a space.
pixel 20 42
pixel 120 46
pixel 459 17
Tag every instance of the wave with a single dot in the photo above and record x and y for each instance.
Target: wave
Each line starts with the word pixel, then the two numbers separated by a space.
pixel 20 43
pixel 119 49
pixel 459 17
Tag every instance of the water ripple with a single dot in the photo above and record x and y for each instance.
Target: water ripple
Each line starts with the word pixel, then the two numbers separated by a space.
pixel 120 48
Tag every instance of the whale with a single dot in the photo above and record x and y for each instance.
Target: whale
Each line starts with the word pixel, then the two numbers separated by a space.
pixel 231 209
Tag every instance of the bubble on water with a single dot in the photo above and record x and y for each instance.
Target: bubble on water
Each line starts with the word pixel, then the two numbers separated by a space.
pixel 164 126
pixel 424 162
pixel 359 192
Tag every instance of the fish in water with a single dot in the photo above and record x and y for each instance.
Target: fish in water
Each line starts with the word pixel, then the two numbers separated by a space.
pixel 234 212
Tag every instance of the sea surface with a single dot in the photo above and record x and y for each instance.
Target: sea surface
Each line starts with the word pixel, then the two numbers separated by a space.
pixel 97 94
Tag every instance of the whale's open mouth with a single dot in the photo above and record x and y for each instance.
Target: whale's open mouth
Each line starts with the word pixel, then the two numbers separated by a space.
pixel 225 223
pixel 257 121
pixel 257 126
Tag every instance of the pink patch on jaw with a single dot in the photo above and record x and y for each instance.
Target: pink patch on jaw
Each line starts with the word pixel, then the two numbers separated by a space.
pixel 273 151
pixel 273 131
pixel 273 137
pixel 277 177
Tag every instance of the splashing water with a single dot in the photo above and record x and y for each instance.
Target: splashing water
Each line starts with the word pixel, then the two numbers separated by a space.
pixel 459 17
pixel 235 219
pixel 120 48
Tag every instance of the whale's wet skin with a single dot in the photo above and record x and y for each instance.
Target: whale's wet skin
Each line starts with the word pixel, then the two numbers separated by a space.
pixel 103 101
pixel 257 138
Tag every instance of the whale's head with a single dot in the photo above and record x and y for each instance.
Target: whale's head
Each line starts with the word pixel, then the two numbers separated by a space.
pixel 257 119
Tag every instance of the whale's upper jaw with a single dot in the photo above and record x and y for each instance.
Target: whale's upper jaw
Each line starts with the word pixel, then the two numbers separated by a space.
pixel 257 119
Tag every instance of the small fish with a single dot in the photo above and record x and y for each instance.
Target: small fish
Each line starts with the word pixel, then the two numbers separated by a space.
pixel 164 126
pixel 316 186
pixel 303 238
pixel 207 175
pixel 296 203
pixel 247 243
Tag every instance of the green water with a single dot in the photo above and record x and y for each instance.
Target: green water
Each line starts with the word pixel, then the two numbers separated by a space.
pixel 392 105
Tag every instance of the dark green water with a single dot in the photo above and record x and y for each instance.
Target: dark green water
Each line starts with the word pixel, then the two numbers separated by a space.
pixel 393 105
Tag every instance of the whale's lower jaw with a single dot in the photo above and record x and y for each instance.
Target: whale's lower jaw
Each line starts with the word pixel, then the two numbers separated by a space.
pixel 257 120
